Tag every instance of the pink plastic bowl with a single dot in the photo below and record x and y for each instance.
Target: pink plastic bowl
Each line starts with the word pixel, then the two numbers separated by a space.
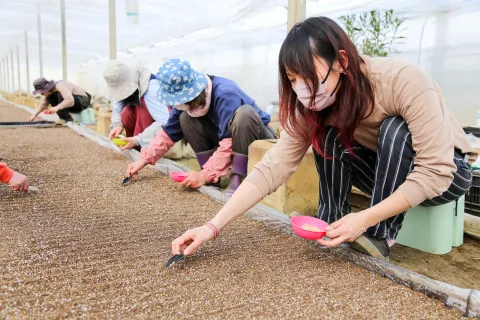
pixel 178 176
pixel 298 221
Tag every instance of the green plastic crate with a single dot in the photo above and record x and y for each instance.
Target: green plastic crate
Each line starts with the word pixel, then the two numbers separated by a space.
pixel 434 229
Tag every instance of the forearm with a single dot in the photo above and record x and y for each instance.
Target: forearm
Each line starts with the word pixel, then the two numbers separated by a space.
pixel 219 163
pixel 246 196
pixel 40 108
pixel 157 148
pixel 37 112
pixel 391 206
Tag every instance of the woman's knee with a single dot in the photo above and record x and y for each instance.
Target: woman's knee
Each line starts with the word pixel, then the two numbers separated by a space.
pixel 393 129
pixel 393 126
pixel 246 116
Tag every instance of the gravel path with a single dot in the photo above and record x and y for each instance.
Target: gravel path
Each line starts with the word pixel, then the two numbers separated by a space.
pixel 86 247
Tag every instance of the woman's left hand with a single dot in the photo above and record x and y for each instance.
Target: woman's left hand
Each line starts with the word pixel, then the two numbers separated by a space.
pixel 195 180
pixel 132 143
pixel 348 229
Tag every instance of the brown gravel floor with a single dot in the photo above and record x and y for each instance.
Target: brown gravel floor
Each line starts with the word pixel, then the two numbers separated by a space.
pixel 85 247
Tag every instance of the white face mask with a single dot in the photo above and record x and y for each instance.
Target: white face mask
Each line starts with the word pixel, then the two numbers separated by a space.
pixel 322 98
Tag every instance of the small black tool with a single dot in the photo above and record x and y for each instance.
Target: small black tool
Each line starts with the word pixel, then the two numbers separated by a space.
pixel 126 180
pixel 174 260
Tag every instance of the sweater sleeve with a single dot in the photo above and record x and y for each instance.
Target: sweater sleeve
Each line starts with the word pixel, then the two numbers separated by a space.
pixel 278 164
pixel 423 108
pixel 218 164
pixel 5 173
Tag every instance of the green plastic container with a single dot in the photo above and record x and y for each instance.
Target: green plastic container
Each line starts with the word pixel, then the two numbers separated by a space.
pixel 434 229
pixel 85 117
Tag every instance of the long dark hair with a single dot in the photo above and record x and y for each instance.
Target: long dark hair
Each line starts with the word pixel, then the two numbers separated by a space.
pixel 131 100
pixel 322 37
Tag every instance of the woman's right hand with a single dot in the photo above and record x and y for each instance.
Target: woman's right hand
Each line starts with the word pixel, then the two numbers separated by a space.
pixel 115 132
pixel 246 196
pixel 134 167
pixel 31 118
pixel 191 240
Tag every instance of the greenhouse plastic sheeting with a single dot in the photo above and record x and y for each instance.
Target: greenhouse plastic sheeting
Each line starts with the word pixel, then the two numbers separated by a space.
pixel 168 23
pixel 239 39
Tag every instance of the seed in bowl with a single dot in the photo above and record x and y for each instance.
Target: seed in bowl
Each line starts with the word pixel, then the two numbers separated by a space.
pixel 309 227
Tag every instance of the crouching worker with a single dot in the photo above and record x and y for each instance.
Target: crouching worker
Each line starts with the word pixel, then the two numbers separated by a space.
pixel 16 180
pixel 136 107
pixel 63 96
pixel 375 123
pixel 215 116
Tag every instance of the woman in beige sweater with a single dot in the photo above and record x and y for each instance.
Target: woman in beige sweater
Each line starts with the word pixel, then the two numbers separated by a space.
pixel 376 123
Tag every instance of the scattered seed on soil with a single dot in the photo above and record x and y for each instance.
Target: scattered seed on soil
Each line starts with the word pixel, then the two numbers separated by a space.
pixel 85 247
